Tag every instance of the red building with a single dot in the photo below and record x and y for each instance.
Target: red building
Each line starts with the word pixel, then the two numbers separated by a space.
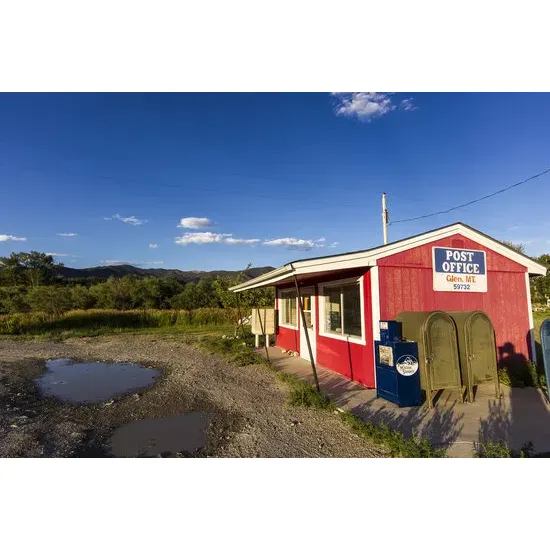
pixel 346 295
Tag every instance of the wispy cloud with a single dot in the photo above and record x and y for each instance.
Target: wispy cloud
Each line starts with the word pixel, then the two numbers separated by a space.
pixel 57 254
pixel 195 223
pixel 333 245
pixel 367 106
pixel 112 263
pixel 202 238
pixel 408 105
pixel 292 243
pixel 232 240
pixel 153 245
pixel 67 234
pixel 207 237
pixel 132 220
pixel 4 238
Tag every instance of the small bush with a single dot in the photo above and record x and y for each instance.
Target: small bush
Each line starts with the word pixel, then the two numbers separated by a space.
pixel 106 319
pixel 520 375
pixel 398 444
pixel 500 449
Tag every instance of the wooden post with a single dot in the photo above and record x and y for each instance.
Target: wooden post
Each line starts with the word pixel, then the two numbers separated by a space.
pixel 303 316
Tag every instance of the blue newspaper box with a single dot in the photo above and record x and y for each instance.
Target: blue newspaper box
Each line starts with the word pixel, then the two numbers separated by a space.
pixel 397 372
pixel 390 331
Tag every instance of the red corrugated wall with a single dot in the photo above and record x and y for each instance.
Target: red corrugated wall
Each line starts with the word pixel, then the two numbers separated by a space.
pixel 406 284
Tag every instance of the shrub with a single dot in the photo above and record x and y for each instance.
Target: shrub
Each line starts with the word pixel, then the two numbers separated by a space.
pixel 500 449
pixel 520 375
pixel 105 319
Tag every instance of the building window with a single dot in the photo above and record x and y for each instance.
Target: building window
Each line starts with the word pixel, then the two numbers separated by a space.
pixel 287 306
pixel 343 310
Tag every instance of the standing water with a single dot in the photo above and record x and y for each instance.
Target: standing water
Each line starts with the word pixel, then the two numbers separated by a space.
pixel 93 382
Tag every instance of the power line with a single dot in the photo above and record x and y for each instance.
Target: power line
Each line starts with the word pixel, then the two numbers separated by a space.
pixel 473 201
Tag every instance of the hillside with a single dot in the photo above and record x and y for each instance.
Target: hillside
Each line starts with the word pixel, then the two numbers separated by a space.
pixel 104 272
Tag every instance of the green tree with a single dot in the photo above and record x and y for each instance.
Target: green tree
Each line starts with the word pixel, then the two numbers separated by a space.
pixel 50 299
pixel 81 298
pixel 13 299
pixel 517 247
pixel 187 299
pixel 33 268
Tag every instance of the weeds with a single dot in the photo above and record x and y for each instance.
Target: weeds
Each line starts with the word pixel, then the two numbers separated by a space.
pixel 394 440
pixel 101 321
pixel 500 449
pixel 520 375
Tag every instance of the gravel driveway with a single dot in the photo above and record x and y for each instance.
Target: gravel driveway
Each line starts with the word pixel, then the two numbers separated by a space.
pixel 246 406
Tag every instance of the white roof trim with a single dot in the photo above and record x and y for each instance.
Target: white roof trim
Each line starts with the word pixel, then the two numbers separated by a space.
pixel 264 280
pixel 369 258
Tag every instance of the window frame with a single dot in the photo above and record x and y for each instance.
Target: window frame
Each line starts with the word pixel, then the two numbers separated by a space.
pixel 282 295
pixel 322 317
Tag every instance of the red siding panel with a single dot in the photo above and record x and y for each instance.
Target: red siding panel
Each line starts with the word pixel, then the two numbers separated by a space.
pixel 406 283
pixel 288 338
pixel 355 361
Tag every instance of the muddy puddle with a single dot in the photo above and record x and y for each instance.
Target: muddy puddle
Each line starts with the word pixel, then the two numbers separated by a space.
pixel 88 383
pixel 183 435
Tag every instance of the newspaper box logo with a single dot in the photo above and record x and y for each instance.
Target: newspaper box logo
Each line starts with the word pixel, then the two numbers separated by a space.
pixel 459 270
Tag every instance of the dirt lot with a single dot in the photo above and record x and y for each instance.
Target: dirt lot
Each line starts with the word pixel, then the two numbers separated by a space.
pixel 246 406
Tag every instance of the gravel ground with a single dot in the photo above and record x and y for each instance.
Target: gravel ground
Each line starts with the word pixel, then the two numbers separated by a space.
pixel 246 406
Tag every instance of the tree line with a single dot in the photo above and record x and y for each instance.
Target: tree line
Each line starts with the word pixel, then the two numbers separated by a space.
pixel 31 281
pixel 540 286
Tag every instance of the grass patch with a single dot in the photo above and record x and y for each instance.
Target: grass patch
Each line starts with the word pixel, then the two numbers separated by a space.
pixel 302 394
pixel 239 350
pixel 97 322
pixel 393 440
pixel 521 375
pixel 500 449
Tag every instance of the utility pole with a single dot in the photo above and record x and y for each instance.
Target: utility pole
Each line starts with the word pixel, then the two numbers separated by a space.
pixel 384 218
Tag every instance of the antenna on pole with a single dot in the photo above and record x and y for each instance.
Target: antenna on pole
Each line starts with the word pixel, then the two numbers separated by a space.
pixel 384 218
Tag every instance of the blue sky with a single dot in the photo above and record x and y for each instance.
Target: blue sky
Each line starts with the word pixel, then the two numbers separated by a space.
pixel 265 178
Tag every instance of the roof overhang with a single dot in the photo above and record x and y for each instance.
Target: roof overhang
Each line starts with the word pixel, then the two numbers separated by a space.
pixel 369 258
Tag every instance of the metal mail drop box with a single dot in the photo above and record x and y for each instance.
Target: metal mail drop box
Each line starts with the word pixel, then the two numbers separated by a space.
pixel 397 372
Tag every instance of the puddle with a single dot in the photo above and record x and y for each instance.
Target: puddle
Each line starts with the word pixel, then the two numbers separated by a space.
pixel 162 436
pixel 93 382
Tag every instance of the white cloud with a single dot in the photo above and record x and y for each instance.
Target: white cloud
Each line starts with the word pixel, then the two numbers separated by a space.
pixel 67 234
pixel 333 245
pixel 153 245
pixel 366 106
pixel 121 262
pixel 195 223
pixel 4 238
pixel 292 243
pixel 231 240
pixel 408 105
pixel 202 238
pixel 207 237
pixel 132 220
pixel 113 262
pixel 60 254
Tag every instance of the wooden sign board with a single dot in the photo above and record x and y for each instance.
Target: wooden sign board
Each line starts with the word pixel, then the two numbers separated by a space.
pixel 263 319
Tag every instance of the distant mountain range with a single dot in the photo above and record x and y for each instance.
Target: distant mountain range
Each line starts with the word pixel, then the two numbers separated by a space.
pixel 104 272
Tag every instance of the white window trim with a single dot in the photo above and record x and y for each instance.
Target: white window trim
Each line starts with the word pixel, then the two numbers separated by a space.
pixel 346 338
pixel 281 295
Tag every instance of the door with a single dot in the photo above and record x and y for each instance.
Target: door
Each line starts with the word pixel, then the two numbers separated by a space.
pixel 308 299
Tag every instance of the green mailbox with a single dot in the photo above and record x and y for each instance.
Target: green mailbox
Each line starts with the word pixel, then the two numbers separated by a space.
pixel 435 333
pixel 477 350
